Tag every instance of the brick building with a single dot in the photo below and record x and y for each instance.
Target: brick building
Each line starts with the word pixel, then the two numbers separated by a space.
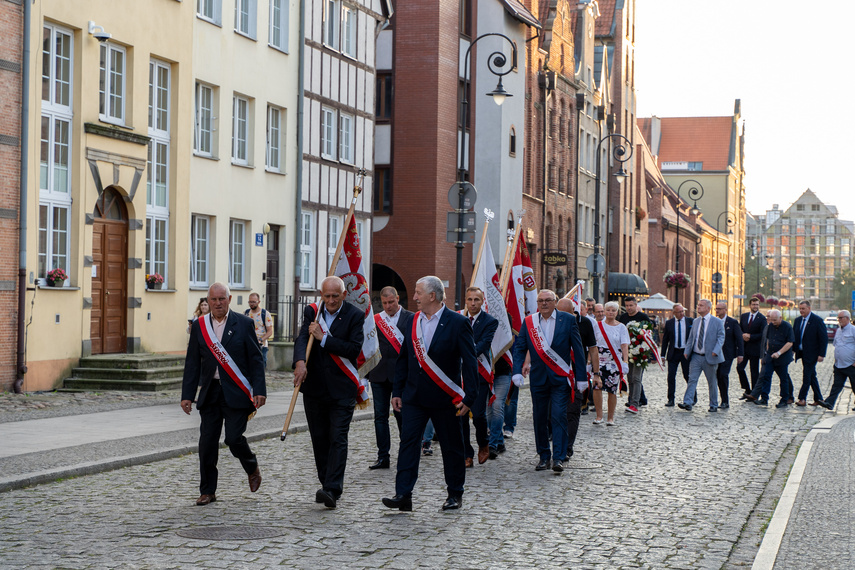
pixel 421 59
pixel 11 58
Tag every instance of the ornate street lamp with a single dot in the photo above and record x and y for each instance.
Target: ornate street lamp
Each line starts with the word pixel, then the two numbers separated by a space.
pixel 499 66
pixel 729 223
pixel 696 192
pixel 621 152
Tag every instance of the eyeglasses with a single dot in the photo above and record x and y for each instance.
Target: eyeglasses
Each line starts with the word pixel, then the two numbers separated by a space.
pixel 546 300
pixel 840 318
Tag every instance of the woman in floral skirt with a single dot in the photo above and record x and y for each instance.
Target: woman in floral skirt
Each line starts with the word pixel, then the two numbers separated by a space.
pixel 612 342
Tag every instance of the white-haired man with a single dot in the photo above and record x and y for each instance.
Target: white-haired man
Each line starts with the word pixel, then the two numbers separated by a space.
pixel 704 351
pixel 777 343
pixel 844 358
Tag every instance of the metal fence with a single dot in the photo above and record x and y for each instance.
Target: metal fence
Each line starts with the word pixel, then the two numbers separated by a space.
pixel 289 316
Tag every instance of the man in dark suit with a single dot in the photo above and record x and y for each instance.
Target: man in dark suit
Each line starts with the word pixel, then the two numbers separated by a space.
pixel 733 347
pixel 677 330
pixel 752 323
pixel 811 345
pixel 438 352
pixel 551 337
pixel 225 363
pixel 483 329
pixel 329 382
pixel 390 333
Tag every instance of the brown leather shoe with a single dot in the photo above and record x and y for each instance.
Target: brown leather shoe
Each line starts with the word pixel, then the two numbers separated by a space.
pixel 469 462
pixel 801 403
pixel 254 480
pixel 205 499
pixel 483 454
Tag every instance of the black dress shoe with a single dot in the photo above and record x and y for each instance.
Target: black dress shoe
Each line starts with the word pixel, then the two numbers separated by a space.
pixel 585 411
pixel 683 406
pixel 823 404
pixel 713 409
pixel 670 404
pixel 452 502
pixel 745 395
pixel 501 448
pixel 782 404
pixel 494 453
pixel 558 466
pixel 325 497
pixel 400 502
pixel 724 405
pixel 380 464
pixel 760 401
pixel 543 465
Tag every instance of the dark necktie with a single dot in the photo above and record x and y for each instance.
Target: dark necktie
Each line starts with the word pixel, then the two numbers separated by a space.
pixel 802 334
pixel 750 319
pixel 679 335
pixel 471 321
pixel 701 335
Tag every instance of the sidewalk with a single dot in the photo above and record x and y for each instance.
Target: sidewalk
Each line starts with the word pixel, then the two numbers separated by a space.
pixel 42 450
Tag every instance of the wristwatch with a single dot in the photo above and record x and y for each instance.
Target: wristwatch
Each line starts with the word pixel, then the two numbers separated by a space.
pixel 595 373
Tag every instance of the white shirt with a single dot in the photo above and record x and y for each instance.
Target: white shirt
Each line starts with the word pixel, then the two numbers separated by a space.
pixel 430 324
pixel 547 326
pixel 219 329
pixel 328 319
pixel 393 320
pixel 844 346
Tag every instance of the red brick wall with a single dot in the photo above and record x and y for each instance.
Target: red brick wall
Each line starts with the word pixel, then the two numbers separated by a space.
pixel 424 166
pixel 11 50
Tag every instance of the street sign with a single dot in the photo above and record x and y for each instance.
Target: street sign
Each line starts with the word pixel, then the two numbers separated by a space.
pixel 454 225
pixel 716 277
pixel 469 196
pixel 259 240
pixel 717 288
pixel 853 301
pixel 595 263
pixel 554 259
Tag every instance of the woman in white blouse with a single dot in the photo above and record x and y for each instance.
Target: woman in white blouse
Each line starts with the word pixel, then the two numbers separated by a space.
pixel 611 371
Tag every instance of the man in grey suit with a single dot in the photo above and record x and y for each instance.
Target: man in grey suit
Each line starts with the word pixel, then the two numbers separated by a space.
pixel 704 352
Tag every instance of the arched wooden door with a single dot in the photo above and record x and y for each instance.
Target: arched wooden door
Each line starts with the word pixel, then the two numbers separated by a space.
pixel 110 283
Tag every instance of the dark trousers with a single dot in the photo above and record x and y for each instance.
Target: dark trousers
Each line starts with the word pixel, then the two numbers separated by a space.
pixel 549 406
pixel 754 361
pixel 479 420
pixel 722 374
pixel 683 364
pixel 809 381
pixel 213 417
pixel 840 376
pixel 382 395
pixel 447 426
pixel 329 424
pixel 771 366
pixel 574 414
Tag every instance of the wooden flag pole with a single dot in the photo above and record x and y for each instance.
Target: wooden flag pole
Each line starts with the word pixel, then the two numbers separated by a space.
pixel 571 291
pixel 506 273
pixel 357 189
pixel 507 251
pixel 488 216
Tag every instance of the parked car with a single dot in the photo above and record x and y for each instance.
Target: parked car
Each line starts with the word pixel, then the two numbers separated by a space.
pixel 831 326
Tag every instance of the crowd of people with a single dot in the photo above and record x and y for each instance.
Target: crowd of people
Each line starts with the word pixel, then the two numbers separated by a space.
pixel 437 371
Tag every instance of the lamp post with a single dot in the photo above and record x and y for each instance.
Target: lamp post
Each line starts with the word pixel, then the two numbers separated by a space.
pixel 728 223
pixel 496 63
pixel 621 152
pixel 696 192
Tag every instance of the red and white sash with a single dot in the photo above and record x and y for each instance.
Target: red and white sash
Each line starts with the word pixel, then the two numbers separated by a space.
pixel 546 353
pixel 390 331
pixel 430 367
pixel 617 360
pixel 223 357
pixel 648 338
pixel 485 368
pixel 344 364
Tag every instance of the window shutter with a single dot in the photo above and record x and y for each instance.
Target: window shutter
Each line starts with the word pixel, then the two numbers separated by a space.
pixel 218 12
pixel 253 19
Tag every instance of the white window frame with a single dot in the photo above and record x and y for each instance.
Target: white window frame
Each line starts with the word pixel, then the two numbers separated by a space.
pixel 331 23
pixel 278 25
pixel 205 118
pixel 157 245
pixel 210 11
pixel 200 261
pixel 158 170
pixel 240 130
pixel 237 253
pixel 54 177
pixel 246 18
pixel 307 262
pixel 333 235
pixel 51 73
pixel 348 31
pixel 346 137
pixel 329 131
pixel 112 99
pixel 52 252
pixel 158 97
pixel 275 151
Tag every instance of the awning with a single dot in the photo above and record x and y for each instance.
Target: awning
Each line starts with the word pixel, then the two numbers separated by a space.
pixel 627 284
pixel 656 302
pixel 518 11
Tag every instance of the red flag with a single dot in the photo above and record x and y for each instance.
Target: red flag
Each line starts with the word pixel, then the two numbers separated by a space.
pixel 521 299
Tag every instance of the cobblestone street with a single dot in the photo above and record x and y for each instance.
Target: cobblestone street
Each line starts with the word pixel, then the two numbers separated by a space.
pixel 663 489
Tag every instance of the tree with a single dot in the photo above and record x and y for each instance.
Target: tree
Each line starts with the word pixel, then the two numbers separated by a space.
pixel 844 284
pixel 758 277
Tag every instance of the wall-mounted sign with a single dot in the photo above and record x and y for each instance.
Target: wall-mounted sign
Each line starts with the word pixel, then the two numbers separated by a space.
pixel 554 259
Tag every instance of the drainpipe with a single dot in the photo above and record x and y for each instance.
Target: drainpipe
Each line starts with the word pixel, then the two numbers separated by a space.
pixel 299 162
pixel 20 367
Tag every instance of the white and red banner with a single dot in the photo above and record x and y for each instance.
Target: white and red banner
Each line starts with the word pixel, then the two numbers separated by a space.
pixel 487 278
pixel 648 338
pixel 389 330
pixel 521 299
pixel 546 353
pixel 430 367
pixel 349 268
pixel 345 365
pixel 224 358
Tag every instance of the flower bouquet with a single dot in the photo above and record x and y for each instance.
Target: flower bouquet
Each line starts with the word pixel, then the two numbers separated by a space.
pixel 676 279
pixel 640 351
pixel 56 277
pixel 153 280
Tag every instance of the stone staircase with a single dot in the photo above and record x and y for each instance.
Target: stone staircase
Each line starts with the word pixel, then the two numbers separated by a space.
pixel 133 372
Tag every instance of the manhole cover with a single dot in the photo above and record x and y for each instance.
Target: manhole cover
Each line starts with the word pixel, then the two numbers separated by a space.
pixel 582 465
pixel 231 532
